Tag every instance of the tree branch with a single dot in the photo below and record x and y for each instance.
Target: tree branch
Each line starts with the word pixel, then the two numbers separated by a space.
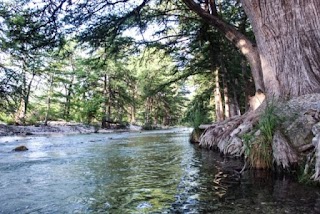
pixel 246 47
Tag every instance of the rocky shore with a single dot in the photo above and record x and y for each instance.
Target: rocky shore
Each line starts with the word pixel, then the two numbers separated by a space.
pixel 58 128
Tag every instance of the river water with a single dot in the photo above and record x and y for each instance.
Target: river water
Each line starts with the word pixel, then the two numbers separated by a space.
pixel 148 172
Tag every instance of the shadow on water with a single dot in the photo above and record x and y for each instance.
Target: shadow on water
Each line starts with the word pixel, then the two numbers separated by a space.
pixel 149 172
pixel 217 188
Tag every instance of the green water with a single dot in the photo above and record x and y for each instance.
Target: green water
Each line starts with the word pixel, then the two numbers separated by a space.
pixel 148 172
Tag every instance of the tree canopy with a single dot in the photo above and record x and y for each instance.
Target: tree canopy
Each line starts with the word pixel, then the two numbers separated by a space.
pixel 125 61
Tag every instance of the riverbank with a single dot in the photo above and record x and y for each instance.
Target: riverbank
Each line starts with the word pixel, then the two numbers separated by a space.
pixel 55 127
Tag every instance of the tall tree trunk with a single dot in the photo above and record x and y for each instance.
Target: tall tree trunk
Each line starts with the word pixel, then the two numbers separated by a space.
pixel 20 117
pixel 69 92
pixel 218 98
pixel 247 85
pixel 226 98
pixel 105 103
pixel 49 100
pixel 234 104
pixel 288 35
pixel 148 111
pixel 67 105
pixel 133 106
pixel 109 101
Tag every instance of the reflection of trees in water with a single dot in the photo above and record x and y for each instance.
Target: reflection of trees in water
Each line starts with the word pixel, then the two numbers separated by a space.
pixel 145 169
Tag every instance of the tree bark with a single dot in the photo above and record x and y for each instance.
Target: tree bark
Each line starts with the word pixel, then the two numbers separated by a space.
pixel 218 98
pixel 20 116
pixel 105 104
pixel 49 99
pixel 234 104
pixel 288 35
pixel 226 99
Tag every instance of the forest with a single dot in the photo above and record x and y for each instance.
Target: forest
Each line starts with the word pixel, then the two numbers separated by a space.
pixel 126 72
pixel 250 67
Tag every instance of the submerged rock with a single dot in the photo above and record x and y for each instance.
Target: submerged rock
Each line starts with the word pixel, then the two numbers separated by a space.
pixel 20 149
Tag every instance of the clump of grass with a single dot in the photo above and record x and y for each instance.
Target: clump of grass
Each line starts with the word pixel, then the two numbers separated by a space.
pixel 258 149
pixel 268 123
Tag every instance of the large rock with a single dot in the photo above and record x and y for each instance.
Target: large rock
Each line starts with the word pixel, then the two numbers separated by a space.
pixel 299 132
pixel 299 115
pixel 20 149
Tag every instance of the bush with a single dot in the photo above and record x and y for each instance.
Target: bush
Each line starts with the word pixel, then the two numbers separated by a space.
pixel 9 120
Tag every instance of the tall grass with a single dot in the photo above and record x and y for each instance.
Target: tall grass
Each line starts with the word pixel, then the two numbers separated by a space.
pixel 258 149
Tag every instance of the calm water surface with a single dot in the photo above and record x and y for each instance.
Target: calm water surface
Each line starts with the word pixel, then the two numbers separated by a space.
pixel 149 172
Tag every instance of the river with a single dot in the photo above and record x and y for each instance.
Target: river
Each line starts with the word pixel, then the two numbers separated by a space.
pixel 148 172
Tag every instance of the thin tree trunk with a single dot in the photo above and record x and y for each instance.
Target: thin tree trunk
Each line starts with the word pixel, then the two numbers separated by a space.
pixel 234 104
pixel 218 98
pixel 226 99
pixel 246 84
pixel 68 88
pixel 105 103
pixel 147 112
pixel 109 100
pixel 49 100
pixel 67 105
pixel 28 94
pixel 133 106
pixel 24 100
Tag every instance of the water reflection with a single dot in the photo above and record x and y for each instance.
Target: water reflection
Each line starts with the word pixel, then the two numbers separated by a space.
pixel 151 172
pixel 139 173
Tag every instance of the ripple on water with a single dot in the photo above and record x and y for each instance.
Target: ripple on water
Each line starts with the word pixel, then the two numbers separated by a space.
pixel 151 172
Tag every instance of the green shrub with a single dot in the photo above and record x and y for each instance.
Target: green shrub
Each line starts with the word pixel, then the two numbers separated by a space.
pixel 268 123
pixel 9 120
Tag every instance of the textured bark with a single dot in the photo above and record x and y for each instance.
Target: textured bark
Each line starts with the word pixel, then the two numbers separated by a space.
pixel 288 35
pixel 20 116
pixel 225 90
pixel 49 95
pixel 226 100
pixel 226 135
pixel 234 104
pixel 283 154
pixel 218 98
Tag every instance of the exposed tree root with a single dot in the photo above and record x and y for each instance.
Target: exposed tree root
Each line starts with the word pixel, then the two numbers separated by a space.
pixel 316 143
pixel 226 135
pixel 283 154
pixel 295 140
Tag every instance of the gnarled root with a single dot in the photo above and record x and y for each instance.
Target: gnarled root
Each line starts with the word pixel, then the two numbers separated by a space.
pixel 316 143
pixel 283 154
pixel 226 135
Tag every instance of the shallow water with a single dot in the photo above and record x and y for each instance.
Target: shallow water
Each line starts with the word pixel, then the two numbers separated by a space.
pixel 149 172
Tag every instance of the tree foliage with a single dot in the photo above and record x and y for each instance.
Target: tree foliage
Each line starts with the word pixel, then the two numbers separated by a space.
pixel 126 61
